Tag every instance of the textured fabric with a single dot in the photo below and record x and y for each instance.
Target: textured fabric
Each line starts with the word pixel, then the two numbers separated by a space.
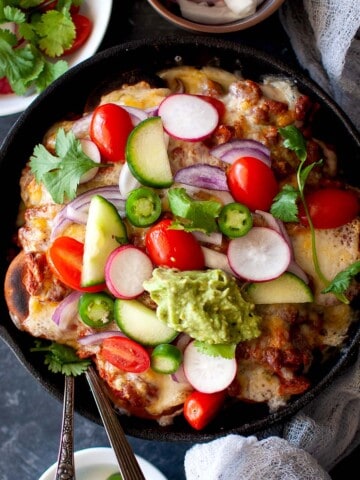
pixel 314 440
pixel 325 37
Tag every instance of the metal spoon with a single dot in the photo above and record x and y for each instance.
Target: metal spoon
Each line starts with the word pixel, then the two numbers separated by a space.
pixel 65 464
pixel 128 464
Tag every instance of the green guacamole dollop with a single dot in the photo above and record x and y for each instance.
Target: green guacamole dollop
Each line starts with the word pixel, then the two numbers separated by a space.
pixel 207 305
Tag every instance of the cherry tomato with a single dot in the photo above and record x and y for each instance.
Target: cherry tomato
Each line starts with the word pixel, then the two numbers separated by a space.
pixel 330 207
pixel 215 102
pixel 83 27
pixel 173 248
pixel 65 259
pixel 252 182
pixel 201 408
pixel 109 129
pixel 5 87
pixel 124 353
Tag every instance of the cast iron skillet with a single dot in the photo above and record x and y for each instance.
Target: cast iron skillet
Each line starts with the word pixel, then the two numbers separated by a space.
pixel 70 94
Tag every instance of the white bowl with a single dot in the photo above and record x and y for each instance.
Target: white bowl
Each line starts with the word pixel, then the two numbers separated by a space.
pixel 99 463
pixel 99 12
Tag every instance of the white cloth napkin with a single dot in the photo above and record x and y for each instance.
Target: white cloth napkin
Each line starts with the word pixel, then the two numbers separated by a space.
pixel 312 442
pixel 325 37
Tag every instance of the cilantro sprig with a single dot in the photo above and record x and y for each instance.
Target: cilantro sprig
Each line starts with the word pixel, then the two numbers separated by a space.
pixel 285 208
pixel 61 174
pixel 45 35
pixel 61 358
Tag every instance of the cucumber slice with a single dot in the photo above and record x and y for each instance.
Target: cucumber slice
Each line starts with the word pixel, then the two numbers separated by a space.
pixel 141 324
pixel 146 154
pixel 288 288
pixel 105 230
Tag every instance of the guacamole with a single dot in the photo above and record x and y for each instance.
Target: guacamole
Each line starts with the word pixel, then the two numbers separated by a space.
pixel 207 305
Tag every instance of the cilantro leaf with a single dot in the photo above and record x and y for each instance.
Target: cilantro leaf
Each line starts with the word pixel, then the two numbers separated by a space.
pixel 285 206
pixel 56 32
pixel 61 174
pixel 199 215
pixel 342 280
pixel 61 358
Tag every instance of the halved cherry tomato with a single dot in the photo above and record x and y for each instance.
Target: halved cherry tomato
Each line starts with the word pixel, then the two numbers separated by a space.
pixel 201 408
pixel 124 353
pixel 5 86
pixel 109 129
pixel 252 182
pixel 173 248
pixel 215 102
pixel 65 257
pixel 330 207
pixel 83 27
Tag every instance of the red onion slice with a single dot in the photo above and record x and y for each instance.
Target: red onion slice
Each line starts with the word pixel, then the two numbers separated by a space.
pixel 221 149
pixel 233 154
pixel 203 176
pixel 96 338
pixel 67 310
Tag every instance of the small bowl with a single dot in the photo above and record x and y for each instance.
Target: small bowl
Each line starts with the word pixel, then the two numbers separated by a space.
pixel 170 10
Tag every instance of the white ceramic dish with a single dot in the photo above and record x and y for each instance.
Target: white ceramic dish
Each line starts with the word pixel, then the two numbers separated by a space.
pixel 99 463
pixel 99 13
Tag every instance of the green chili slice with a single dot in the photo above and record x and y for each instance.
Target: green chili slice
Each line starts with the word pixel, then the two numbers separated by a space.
pixel 143 207
pixel 235 220
pixel 96 309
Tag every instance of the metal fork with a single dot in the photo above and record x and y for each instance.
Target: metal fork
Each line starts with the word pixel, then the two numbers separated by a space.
pixel 65 464
pixel 128 464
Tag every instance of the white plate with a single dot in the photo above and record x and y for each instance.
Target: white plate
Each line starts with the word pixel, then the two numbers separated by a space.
pixel 99 12
pixel 99 464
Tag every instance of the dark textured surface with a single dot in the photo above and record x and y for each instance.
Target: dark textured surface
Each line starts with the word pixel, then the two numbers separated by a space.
pixel 30 417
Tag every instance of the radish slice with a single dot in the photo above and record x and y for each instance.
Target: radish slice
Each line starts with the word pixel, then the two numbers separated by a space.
pixel 203 175
pixel 125 271
pixel 188 117
pixel 221 149
pixel 206 373
pixel 262 254
pixel 91 150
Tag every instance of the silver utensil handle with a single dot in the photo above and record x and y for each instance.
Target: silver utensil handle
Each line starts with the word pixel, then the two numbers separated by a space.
pixel 65 466
pixel 128 464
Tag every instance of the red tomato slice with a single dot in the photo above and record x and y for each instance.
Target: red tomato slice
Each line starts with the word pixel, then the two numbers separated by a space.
pixel 109 129
pixel 173 248
pixel 201 408
pixel 330 207
pixel 253 183
pixel 124 353
pixel 65 257
pixel 5 87
pixel 83 27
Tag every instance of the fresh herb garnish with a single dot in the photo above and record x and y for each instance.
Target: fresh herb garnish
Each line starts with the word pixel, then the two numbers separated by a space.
pixel 61 174
pixel 61 358
pixel 45 36
pixel 192 214
pixel 285 208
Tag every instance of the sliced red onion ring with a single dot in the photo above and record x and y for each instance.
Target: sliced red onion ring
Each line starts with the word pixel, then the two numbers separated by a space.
pixel 224 196
pixel 231 155
pixel 179 376
pixel 76 211
pixel 67 310
pixel 81 126
pixel 219 150
pixel 91 150
pixel 203 176
pixel 214 238
pixel 96 338
pixel 137 114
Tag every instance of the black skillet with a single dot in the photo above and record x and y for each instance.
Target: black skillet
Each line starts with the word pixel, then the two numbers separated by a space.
pixel 135 61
